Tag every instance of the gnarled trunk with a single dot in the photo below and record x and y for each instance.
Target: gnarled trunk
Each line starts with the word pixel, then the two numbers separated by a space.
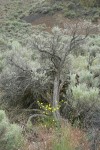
pixel 56 112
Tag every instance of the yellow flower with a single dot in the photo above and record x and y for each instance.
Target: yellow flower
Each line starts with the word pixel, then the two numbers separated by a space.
pixel 50 108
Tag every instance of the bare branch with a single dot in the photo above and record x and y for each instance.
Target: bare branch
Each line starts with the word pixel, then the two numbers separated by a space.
pixel 17 66
pixel 36 115
pixel 76 39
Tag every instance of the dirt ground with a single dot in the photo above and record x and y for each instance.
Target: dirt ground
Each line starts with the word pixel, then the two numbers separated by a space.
pixel 59 20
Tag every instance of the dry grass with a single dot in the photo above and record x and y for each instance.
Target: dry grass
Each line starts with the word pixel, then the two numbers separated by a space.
pixel 46 138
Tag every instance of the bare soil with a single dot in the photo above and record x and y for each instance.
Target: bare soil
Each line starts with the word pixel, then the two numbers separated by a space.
pixel 59 20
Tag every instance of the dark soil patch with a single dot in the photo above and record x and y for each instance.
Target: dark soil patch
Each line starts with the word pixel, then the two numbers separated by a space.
pixel 33 17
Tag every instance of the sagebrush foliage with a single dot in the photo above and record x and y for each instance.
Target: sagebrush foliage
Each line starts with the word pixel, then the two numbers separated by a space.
pixel 10 134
